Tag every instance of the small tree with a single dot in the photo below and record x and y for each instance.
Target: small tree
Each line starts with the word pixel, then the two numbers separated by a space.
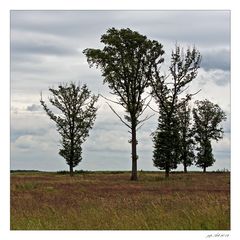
pixel 127 62
pixel 183 70
pixel 207 117
pixel 74 118
pixel 186 146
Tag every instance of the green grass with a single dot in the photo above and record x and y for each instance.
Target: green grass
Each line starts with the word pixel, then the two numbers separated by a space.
pixel 106 200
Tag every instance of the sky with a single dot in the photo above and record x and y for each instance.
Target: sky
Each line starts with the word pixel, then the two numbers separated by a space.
pixel 46 49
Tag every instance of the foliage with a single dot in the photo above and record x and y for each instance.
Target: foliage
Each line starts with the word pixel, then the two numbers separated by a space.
pixel 127 62
pixel 75 117
pixel 183 70
pixel 207 118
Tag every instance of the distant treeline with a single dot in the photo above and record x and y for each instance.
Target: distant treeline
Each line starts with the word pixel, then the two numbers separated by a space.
pixel 63 172
pixel 13 171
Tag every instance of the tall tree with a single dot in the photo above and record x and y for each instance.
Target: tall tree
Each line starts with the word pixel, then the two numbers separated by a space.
pixel 74 118
pixel 166 141
pixel 127 62
pixel 186 144
pixel 205 156
pixel 166 91
pixel 207 118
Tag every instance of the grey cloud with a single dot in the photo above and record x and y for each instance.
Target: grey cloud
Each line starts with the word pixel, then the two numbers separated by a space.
pixel 204 27
pixel 41 48
pixel 25 59
pixel 36 34
pixel 222 78
pixel 216 59
pixel 16 133
pixel 31 123
pixel 218 76
pixel 32 78
pixel 34 107
pixel 67 24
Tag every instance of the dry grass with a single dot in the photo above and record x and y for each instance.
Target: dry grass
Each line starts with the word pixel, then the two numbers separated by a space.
pixel 110 201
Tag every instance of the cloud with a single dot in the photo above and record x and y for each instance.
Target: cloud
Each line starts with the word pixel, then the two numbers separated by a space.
pixel 202 28
pixel 35 142
pixel 216 59
pixel 34 123
pixel 217 76
pixel 61 23
pixel 223 145
pixel 42 48
pixel 46 49
pixel 34 107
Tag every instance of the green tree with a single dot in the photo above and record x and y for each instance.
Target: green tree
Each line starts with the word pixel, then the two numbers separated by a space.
pixel 74 117
pixel 186 145
pixel 207 118
pixel 204 155
pixel 166 141
pixel 183 69
pixel 127 62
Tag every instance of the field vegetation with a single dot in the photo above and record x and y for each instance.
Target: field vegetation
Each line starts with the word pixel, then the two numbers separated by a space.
pixel 109 201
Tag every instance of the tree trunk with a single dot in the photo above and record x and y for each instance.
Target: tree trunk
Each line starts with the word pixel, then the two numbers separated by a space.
pixel 71 169
pixel 167 173
pixel 134 154
pixel 185 167
pixel 71 157
pixel 204 169
pixel 167 170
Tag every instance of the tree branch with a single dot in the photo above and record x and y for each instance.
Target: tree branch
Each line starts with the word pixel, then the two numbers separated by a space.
pixel 118 115
pixel 110 100
pixel 145 119
pixel 153 109
pixel 145 106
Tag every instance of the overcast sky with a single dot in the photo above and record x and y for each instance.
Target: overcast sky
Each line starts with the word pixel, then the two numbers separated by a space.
pixel 46 49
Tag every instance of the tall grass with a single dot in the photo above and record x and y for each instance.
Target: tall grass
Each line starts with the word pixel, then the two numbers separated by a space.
pixel 110 201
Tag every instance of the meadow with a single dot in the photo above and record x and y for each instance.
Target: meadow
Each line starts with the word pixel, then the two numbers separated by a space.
pixel 110 201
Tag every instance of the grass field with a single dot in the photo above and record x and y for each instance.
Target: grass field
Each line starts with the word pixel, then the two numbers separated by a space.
pixel 104 201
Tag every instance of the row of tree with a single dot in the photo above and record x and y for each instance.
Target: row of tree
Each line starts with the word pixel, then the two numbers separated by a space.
pixel 178 141
pixel 130 63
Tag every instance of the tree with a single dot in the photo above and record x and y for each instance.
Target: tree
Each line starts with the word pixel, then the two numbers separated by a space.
pixel 75 116
pixel 186 136
pixel 127 62
pixel 204 155
pixel 166 141
pixel 207 118
pixel 183 70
